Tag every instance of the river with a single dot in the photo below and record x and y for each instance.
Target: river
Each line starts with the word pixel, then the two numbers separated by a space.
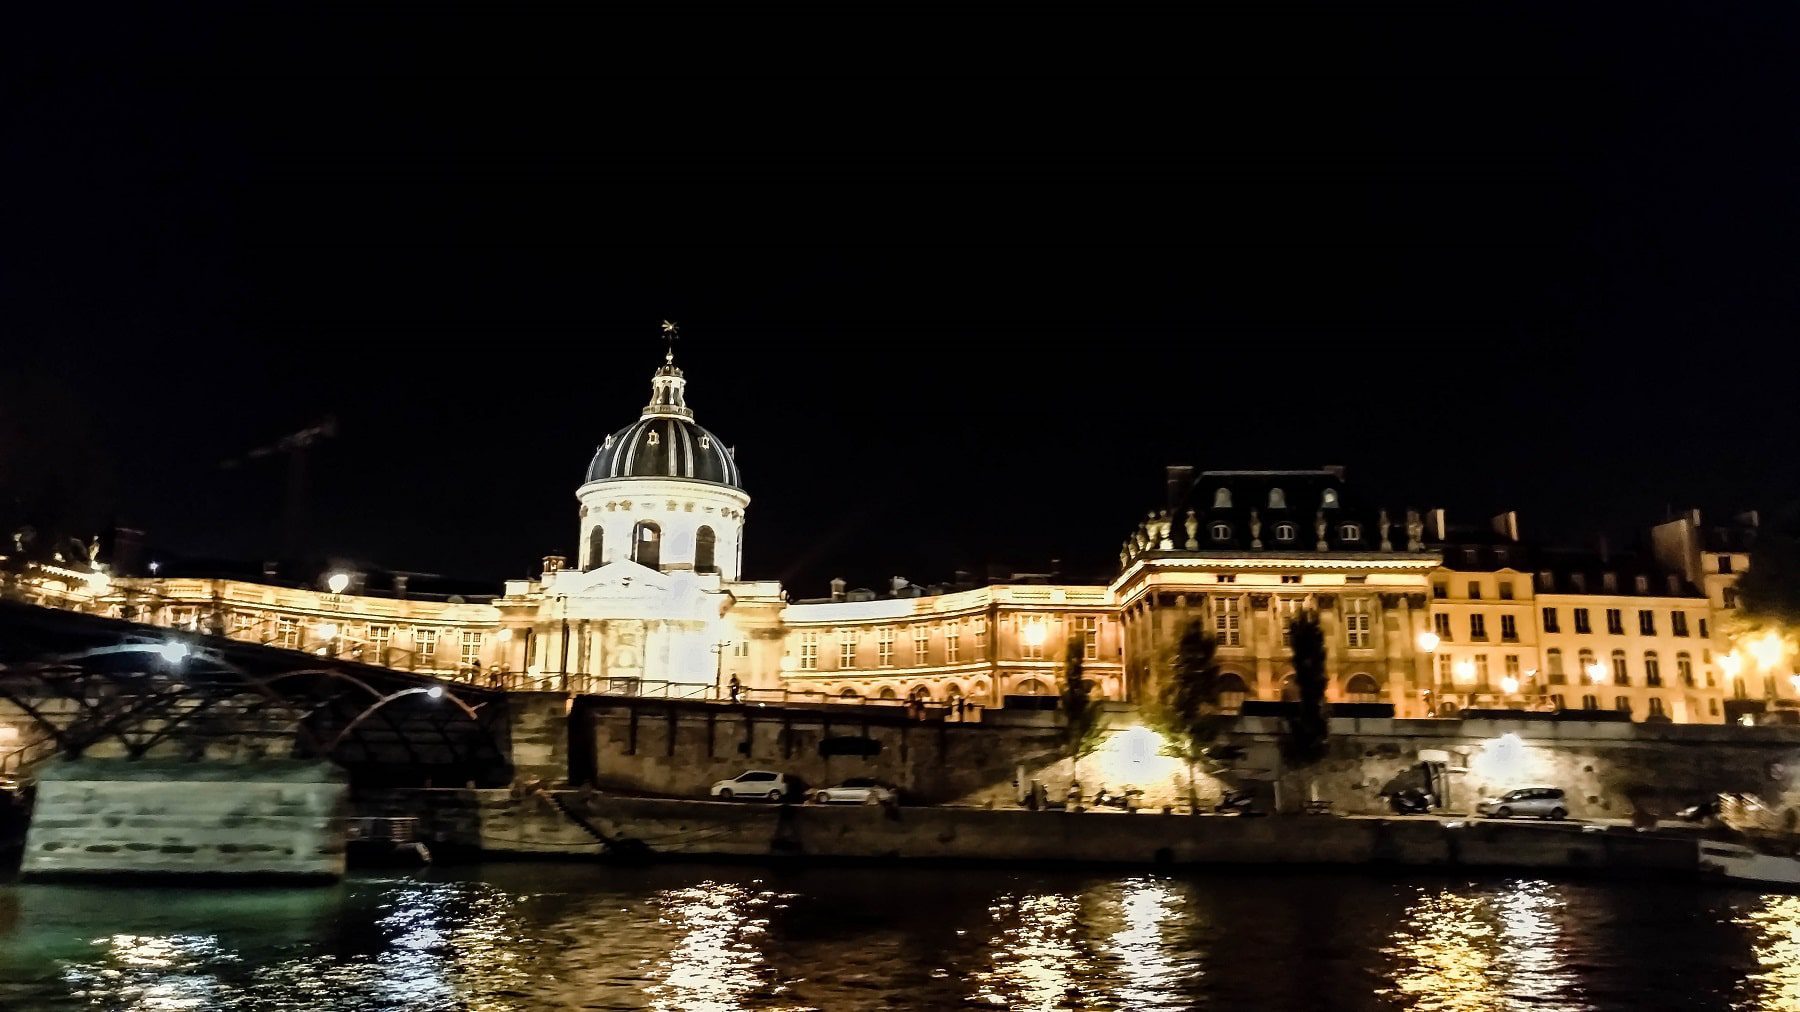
pixel 555 936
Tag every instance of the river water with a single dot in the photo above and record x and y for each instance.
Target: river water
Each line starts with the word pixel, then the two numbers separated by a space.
pixel 506 937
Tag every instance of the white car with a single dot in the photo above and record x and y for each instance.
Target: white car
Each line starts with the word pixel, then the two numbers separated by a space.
pixel 858 791
pixel 1543 802
pixel 753 784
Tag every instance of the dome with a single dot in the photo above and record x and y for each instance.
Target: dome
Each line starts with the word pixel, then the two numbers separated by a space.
pixel 665 441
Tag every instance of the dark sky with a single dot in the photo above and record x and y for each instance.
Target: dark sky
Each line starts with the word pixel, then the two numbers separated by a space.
pixel 956 288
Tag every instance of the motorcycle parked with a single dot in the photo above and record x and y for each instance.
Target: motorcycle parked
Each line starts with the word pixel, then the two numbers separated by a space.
pixel 1236 803
pixel 1410 802
pixel 1125 800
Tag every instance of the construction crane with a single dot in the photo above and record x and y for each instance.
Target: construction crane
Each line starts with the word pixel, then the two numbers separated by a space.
pixel 295 445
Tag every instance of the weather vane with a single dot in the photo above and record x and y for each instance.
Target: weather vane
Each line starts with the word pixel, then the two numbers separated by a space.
pixel 670 333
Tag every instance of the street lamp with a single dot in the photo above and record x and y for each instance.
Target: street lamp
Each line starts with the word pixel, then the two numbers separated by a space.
pixel 1032 635
pixel 1428 643
pixel 718 650
pixel 1596 672
pixel 337 582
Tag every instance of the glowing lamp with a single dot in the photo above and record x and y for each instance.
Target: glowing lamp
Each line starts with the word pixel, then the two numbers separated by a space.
pixel 328 630
pixel 503 635
pixel 1766 650
pixel 1428 641
pixel 435 692
pixel 338 582
pixel 1509 684
pixel 173 652
pixel 1731 664
pixel 1596 671
pixel 1465 670
pixel 1033 634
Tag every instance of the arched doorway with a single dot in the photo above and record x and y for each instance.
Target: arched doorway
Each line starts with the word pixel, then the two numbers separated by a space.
pixel 1033 687
pixel 1232 692
pixel 1288 691
pixel 646 545
pixel 1362 689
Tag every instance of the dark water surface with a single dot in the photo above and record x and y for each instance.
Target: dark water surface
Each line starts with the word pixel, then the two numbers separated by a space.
pixel 504 937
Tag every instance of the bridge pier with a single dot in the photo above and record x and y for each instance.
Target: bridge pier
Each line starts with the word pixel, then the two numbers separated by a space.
pixel 538 732
pixel 99 818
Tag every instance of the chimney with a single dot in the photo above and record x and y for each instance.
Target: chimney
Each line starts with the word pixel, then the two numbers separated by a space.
pixel 898 584
pixel 1178 478
pixel 1438 524
pixel 837 588
pixel 1507 525
pixel 400 586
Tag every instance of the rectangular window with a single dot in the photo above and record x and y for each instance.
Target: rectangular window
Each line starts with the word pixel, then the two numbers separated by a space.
pixel 1703 629
pixel 1478 627
pixel 884 646
pixel 1550 620
pixel 1290 578
pixel 1356 622
pixel 183 618
pixel 242 622
pixel 1557 701
pixel 1440 591
pixel 846 648
pixel 981 639
pixel 1509 629
pixel 809 650
pixel 1581 621
pixel 921 645
pixel 1226 619
pixel 1506 590
pixel 741 648
pixel 1474 590
pixel 1615 621
pixel 1729 596
pixel 1226 577
pixel 1481 669
pixel 1033 634
pixel 287 633
pixel 1553 666
pixel 424 644
pixel 1441 622
pixel 1678 623
pixel 952 642
pixel 1088 628
pixel 1446 669
pixel 1512 665
pixel 1684 669
pixel 1285 610
pixel 471 649
pixel 1725 564
pixel 1652 671
pixel 379 638
pixel 1646 622
pixel 1621 673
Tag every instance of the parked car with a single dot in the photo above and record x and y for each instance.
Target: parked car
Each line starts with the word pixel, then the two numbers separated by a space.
pixel 858 791
pixel 754 784
pixel 1542 802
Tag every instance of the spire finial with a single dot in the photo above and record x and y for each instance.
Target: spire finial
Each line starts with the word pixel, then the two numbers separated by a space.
pixel 671 332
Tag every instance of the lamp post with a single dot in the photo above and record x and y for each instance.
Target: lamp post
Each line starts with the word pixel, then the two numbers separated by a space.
pixel 718 650
pixel 1428 642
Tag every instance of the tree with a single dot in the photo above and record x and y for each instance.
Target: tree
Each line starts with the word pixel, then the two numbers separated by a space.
pixel 1188 713
pixel 1769 592
pixel 1307 729
pixel 1083 719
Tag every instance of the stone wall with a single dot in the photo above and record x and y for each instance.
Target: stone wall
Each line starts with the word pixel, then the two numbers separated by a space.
pixel 105 817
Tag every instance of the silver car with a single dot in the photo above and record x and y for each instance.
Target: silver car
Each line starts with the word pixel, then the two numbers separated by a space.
pixel 858 791
pixel 1541 802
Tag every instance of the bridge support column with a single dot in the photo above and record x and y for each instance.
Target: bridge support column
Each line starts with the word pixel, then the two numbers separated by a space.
pixel 538 729
pixel 100 818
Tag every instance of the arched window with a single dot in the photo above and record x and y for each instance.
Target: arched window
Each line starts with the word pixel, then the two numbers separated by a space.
pixel 887 692
pixel 1656 709
pixel 1330 499
pixel 1622 704
pixel 1684 669
pixel 1350 532
pixel 1221 498
pixel 1586 659
pixel 1221 532
pixel 849 693
pixel 1277 499
pixel 1284 532
pixel 1232 692
pixel 1553 665
pixel 596 542
pixel 1652 669
pixel 1590 703
pixel 953 692
pixel 652 439
pixel 646 544
pixel 1362 689
pixel 704 541
pixel 1033 687
pixel 919 693
pixel 1621 673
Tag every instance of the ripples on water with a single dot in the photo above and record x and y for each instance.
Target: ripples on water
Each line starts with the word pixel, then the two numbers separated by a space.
pixel 518 937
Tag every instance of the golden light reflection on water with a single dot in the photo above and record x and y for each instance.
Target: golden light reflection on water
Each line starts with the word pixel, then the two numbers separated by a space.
pixel 1149 973
pixel 1468 951
pixel 1774 926
pixel 716 965
pixel 1034 955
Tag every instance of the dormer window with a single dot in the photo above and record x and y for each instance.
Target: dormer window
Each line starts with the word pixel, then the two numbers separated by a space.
pixel 1221 498
pixel 1284 532
pixel 705 442
pixel 1221 532
pixel 1609 582
pixel 652 439
pixel 1643 584
pixel 1499 554
pixel 1277 499
pixel 1350 532
pixel 608 444
pixel 1330 499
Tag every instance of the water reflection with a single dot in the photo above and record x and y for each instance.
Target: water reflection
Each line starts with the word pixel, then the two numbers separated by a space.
pixel 1152 978
pixel 1465 950
pixel 1035 955
pixel 715 964
pixel 1774 925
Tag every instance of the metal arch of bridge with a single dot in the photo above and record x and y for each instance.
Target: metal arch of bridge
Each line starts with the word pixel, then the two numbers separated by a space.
pixel 88 685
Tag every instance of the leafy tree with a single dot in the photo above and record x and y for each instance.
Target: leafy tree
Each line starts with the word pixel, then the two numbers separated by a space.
pixel 1307 730
pixel 1084 725
pixel 1769 592
pixel 1187 711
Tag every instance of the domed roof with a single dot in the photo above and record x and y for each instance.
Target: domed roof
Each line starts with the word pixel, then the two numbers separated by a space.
pixel 665 441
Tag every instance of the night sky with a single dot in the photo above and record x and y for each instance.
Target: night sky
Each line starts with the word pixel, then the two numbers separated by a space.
pixel 957 289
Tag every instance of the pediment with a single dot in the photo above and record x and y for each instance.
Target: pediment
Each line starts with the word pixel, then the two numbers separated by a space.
pixel 615 580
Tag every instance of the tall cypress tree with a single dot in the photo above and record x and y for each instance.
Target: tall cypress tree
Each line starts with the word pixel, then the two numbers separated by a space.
pixel 1307 728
